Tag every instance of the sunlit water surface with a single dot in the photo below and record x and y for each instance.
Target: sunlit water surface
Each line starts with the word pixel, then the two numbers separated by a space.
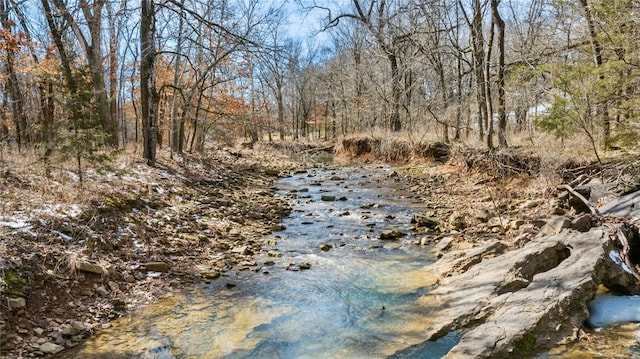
pixel 358 300
pixel 333 310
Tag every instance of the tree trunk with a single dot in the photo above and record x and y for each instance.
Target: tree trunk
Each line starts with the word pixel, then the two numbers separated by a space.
pixel 597 58
pixel 17 100
pixel 477 48
pixel 177 123
pixel 113 80
pixel 502 112
pixel 489 118
pixel 396 93
pixel 280 100
pixel 148 93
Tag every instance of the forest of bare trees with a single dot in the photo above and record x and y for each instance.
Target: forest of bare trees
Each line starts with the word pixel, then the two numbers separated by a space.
pixel 82 78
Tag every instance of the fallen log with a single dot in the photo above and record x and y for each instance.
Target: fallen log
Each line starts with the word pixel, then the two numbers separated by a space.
pixel 526 299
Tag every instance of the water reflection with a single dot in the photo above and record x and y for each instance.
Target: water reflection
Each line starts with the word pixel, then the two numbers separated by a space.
pixel 359 300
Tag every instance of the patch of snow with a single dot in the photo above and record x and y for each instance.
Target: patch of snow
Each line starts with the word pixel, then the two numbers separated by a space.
pixel 60 210
pixel 63 236
pixel 607 310
pixel 17 222
pixel 615 257
pixel 73 176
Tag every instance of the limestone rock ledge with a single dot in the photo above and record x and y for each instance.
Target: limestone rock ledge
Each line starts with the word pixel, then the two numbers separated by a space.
pixel 511 304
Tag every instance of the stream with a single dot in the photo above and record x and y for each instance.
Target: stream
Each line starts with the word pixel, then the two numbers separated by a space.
pixel 358 299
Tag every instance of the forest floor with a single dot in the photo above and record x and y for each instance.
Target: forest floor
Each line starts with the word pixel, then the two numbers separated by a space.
pixel 74 256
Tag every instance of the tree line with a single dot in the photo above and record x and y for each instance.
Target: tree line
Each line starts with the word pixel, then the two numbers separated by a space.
pixel 82 78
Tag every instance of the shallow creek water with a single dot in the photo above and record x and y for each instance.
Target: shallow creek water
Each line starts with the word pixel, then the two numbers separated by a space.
pixel 358 299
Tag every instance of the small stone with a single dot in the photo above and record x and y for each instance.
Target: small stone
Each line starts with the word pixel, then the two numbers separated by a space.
pixel 425 240
pixel 38 331
pixel 272 172
pixel 327 198
pixel 69 331
pixel 50 348
pixel 391 235
pixel 211 275
pixel 422 220
pixel 102 291
pixel 456 221
pixel 325 247
pixel 87 267
pixel 555 225
pixel 16 303
pixel 305 265
pixel 483 215
pixel 293 267
pixel 156 267
pixel 78 325
pixel 582 223
pixel 274 254
pixel 113 286
pixel 119 305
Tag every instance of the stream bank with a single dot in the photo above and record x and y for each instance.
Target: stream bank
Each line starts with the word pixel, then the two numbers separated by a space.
pixel 74 279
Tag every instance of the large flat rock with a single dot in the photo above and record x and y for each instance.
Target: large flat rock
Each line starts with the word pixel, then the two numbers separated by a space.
pixel 524 299
pixel 625 206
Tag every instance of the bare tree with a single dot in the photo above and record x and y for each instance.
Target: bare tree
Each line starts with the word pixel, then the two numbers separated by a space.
pixel 148 93
pixel 378 17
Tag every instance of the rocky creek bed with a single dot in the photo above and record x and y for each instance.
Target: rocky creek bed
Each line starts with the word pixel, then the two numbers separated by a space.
pixel 529 253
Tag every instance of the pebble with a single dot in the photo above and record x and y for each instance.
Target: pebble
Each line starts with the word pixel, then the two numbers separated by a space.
pixel 50 348
pixel 102 291
pixel 77 325
pixel 38 331
pixel 325 247
pixel 16 303
pixel 114 286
